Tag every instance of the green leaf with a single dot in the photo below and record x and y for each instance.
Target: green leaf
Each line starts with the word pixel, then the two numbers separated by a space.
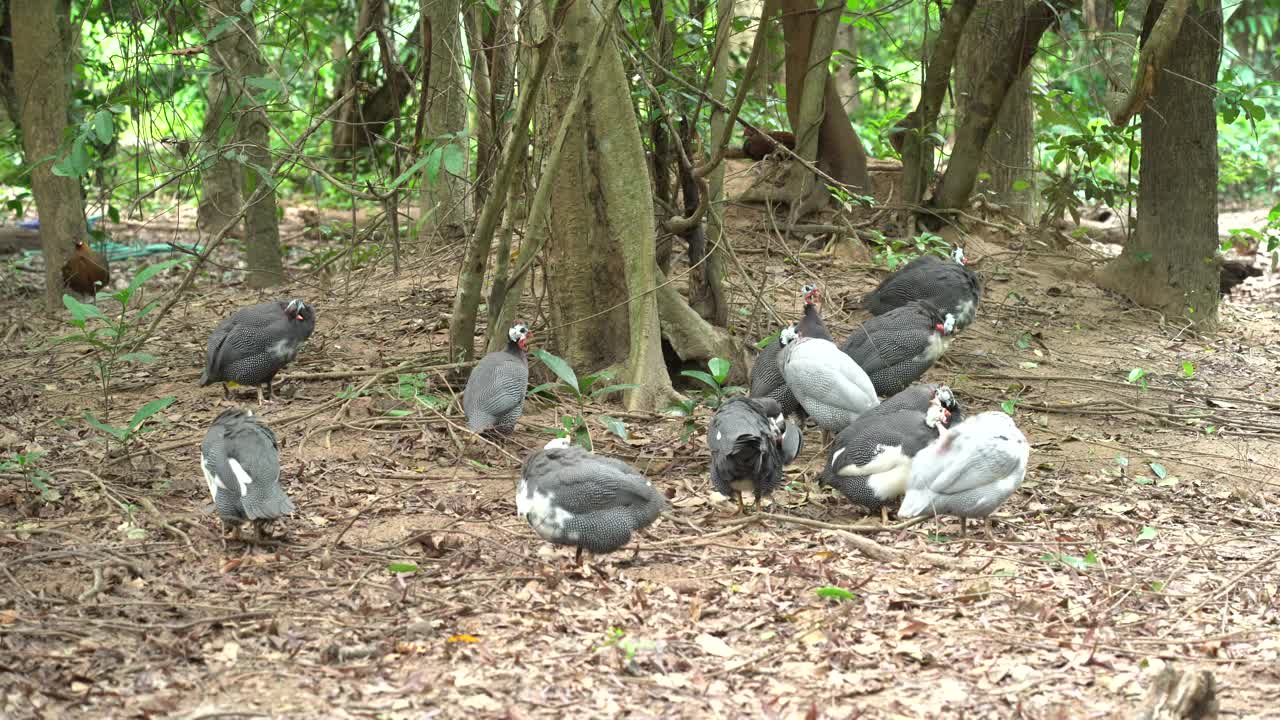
pixel 544 388
pixel 1122 461
pixel 453 159
pixel 1157 586
pixel 138 357
pixel 103 126
pixel 81 311
pixel 699 375
pixel 1136 374
pixel 1143 480
pixel 146 411
pixel 719 369
pixel 1009 406
pixel 413 170
pixel 151 271
pixel 265 82
pixel 1024 341
pixel 559 367
pixel 1188 368
pixel 118 433
pixel 406 567
pixel 1158 469
pixel 399 413
pixel 832 592
pixel 1147 533
pixel 582 436
pixel 615 426
pixel 1167 481
pixel 764 342
pixel 599 392
pixel 1020 185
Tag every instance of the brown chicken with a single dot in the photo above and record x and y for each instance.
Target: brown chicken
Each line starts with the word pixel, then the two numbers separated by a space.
pixel 757 146
pixel 85 271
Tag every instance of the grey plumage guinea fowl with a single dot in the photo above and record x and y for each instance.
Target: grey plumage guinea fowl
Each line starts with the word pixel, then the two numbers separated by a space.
pixel 495 392
pixel 570 496
pixel 829 385
pixel 870 461
pixel 241 463
pixel 255 343
pixel 745 437
pixel 766 376
pixel 969 470
pixel 896 348
pixel 947 284
pixel 919 397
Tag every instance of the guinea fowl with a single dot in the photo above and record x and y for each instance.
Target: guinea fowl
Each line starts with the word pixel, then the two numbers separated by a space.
pixel 969 470
pixel 255 343
pixel 570 496
pixel 85 271
pixel 757 146
pixel 828 384
pixel 766 376
pixel 949 285
pixel 870 461
pixel 241 463
pixel 745 437
pixel 896 348
pixel 494 396
pixel 919 397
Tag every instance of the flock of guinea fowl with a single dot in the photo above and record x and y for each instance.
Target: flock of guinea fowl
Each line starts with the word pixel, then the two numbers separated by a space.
pixel 915 449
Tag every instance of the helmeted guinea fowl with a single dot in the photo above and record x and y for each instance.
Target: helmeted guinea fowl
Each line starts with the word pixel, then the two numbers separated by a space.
pixel 746 437
pixel 766 376
pixel 919 397
pixel 255 343
pixel 570 496
pixel 829 385
pixel 495 392
pixel 969 470
pixel 896 348
pixel 241 463
pixel 870 461
pixel 947 284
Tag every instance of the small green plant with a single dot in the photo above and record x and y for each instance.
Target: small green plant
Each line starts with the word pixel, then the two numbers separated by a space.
pixel 893 252
pixel 685 408
pixel 1089 560
pixel 715 381
pixel 583 389
pixel 134 429
pixel 832 592
pixel 1137 376
pixel 618 638
pixel 413 388
pixel 1188 369
pixel 25 464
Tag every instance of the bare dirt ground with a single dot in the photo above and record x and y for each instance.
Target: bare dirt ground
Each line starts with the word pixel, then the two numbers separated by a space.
pixel 1145 534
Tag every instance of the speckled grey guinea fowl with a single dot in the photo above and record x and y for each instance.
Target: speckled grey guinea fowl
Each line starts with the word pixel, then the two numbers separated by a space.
pixel 870 461
pixel 766 376
pixel 896 348
pixel 570 496
pixel 495 392
pixel 969 470
pixel 830 386
pixel 255 343
pixel 745 437
pixel 241 464
pixel 919 397
pixel 945 283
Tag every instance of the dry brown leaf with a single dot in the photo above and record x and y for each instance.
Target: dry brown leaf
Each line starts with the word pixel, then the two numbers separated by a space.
pixel 713 645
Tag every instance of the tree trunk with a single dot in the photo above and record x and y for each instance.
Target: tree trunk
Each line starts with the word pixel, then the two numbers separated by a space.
pixel 1169 264
pixel 602 268
pixel 1009 155
pixel 444 193
pixel 772 54
pixel 1015 53
pixel 717 252
pixel 840 153
pixel 662 156
pixel 486 124
pixel 239 59
pixel 8 91
pixel 846 76
pixel 220 194
pixel 40 73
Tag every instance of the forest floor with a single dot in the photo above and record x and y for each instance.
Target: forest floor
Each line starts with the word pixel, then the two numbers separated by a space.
pixel 1147 532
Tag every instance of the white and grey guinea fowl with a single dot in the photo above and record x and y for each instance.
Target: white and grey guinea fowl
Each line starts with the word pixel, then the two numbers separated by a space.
pixel 919 397
pixel 570 496
pixel 241 463
pixel 969 470
pixel 896 348
pixel 746 439
pixel 495 392
pixel 945 283
pixel 255 343
pixel 766 376
pixel 870 462
pixel 829 385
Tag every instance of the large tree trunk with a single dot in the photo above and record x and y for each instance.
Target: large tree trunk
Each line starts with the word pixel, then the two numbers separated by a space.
pixel 220 194
pixel 846 77
pixel 1008 158
pixel 716 310
pixel 239 59
pixel 602 268
pixel 840 153
pixel 8 92
pixel 1168 265
pixel 444 194
pixel 40 72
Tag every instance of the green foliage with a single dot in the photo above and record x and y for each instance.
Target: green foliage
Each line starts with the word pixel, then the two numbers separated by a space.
pixel 1137 376
pixel 26 464
pixel 1081 564
pixel 895 252
pixel 583 390
pixel 685 408
pixel 715 380
pixel 130 431
pixel 414 389
pixel 832 592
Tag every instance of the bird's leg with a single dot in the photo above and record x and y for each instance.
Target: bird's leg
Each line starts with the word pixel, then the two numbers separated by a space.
pixel 259 389
pixel 986 522
pixel 964 527
pixel 226 391
pixel 742 508
pixel 577 557
pixel 270 392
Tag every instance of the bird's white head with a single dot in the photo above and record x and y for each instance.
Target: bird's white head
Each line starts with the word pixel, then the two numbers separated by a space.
pixel 812 295
pixel 958 256
pixel 778 426
pixel 520 335
pixel 557 443
pixel 788 335
pixel 937 416
pixel 948 325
